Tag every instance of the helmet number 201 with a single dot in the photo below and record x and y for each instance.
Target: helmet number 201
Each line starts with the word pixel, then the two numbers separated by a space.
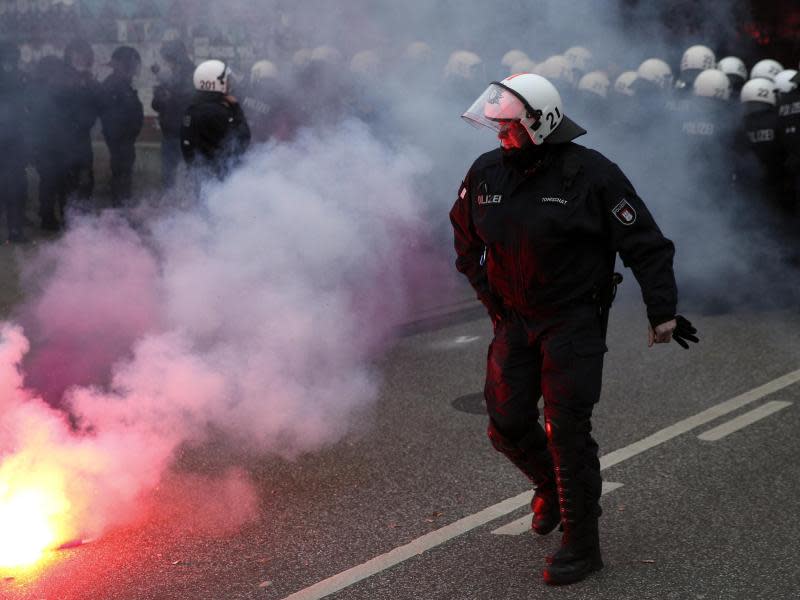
pixel 207 85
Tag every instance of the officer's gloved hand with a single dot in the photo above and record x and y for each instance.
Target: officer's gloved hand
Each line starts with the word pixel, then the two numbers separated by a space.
pixel 684 331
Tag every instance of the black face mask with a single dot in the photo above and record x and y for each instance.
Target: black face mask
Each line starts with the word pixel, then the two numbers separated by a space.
pixel 525 159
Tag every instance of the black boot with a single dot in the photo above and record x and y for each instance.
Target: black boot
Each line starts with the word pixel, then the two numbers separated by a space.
pixel 544 505
pixel 579 483
pixel 537 465
pixel 579 555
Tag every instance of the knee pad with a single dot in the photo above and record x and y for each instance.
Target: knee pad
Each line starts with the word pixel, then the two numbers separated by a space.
pixel 500 442
pixel 564 429
pixel 532 442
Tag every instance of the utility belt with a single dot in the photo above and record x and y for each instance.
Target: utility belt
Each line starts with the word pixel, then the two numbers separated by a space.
pixel 598 302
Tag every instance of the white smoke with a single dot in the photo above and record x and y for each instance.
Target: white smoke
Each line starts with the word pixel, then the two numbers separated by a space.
pixel 256 313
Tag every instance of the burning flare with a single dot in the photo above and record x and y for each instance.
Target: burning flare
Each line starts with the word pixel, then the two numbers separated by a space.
pixel 33 512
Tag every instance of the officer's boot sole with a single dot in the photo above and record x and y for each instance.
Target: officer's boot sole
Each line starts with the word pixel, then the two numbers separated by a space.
pixel 572 572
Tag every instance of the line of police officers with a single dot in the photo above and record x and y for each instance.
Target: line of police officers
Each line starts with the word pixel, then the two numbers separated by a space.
pixel 46 119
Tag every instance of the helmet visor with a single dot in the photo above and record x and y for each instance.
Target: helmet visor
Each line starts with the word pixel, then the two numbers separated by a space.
pixel 493 107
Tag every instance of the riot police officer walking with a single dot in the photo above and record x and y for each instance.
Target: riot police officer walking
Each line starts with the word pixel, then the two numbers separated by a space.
pixel 538 223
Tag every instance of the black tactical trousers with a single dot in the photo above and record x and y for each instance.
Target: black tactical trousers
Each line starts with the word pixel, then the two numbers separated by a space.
pixel 13 194
pixel 558 356
pixel 122 158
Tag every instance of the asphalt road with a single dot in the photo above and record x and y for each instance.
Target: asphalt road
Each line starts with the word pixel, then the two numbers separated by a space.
pixel 693 518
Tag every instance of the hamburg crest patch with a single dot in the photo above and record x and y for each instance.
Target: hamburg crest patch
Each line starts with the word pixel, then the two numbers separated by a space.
pixel 624 213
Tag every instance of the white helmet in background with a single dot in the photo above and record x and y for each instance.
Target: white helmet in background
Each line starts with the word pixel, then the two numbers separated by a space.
pixel 366 63
pixel 529 99
pixel 418 51
pixel 759 90
pixel 766 68
pixel 326 54
pixel 784 81
pixel 624 83
pixel 657 72
pixel 733 66
pixel 712 83
pixel 557 68
pixel 513 56
pixel 579 58
pixel 698 58
pixel 301 58
pixel 212 76
pixel 462 64
pixel 525 65
pixel 596 83
pixel 263 70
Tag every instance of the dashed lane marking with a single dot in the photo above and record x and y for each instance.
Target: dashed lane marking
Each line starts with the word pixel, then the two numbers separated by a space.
pixel 523 524
pixel 742 421
pixel 435 538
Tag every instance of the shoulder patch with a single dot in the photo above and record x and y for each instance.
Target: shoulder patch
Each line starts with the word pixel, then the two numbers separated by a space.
pixel 624 212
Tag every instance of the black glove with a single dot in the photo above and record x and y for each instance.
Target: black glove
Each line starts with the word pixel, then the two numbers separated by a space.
pixel 684 331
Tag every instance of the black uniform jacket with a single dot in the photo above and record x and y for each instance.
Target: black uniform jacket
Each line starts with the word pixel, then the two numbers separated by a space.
pixel 789 128
pixel 551 236
pixel 760 136
pixel 122 114
pixel 215 131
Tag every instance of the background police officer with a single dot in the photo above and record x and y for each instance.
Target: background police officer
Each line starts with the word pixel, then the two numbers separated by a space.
pixel 171 97
pixel 538 223
pixel 122 117
pixel 215 133
pixel 789 136
pixel 13 121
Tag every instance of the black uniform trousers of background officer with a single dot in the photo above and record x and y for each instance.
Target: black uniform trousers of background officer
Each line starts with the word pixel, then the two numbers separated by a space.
pixel 13 193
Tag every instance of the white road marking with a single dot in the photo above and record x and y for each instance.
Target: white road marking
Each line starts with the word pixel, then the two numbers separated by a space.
pixel 523 524
pixel 431 540
pixel 742 421
pixel 466 339
pixel 413 548
pixel 681 427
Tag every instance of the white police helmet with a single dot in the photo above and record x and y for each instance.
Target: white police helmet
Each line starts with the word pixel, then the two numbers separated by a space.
pixel 579 58
pixel 698 58
pixel 418 52
pixel 530 99
pixel 786 81
pixel 462 64
pixel 759 90
pixel 525 65
pixel 624 83
pixel 263 70
pixel 712 83
pixel 326 54
pixel 657 72
pixel 557 68
pixel 366 63
pixel 302 57
pixel 212 76
pixel 596 83
pixel 513 56
pixel 734 66
pixel 766 68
